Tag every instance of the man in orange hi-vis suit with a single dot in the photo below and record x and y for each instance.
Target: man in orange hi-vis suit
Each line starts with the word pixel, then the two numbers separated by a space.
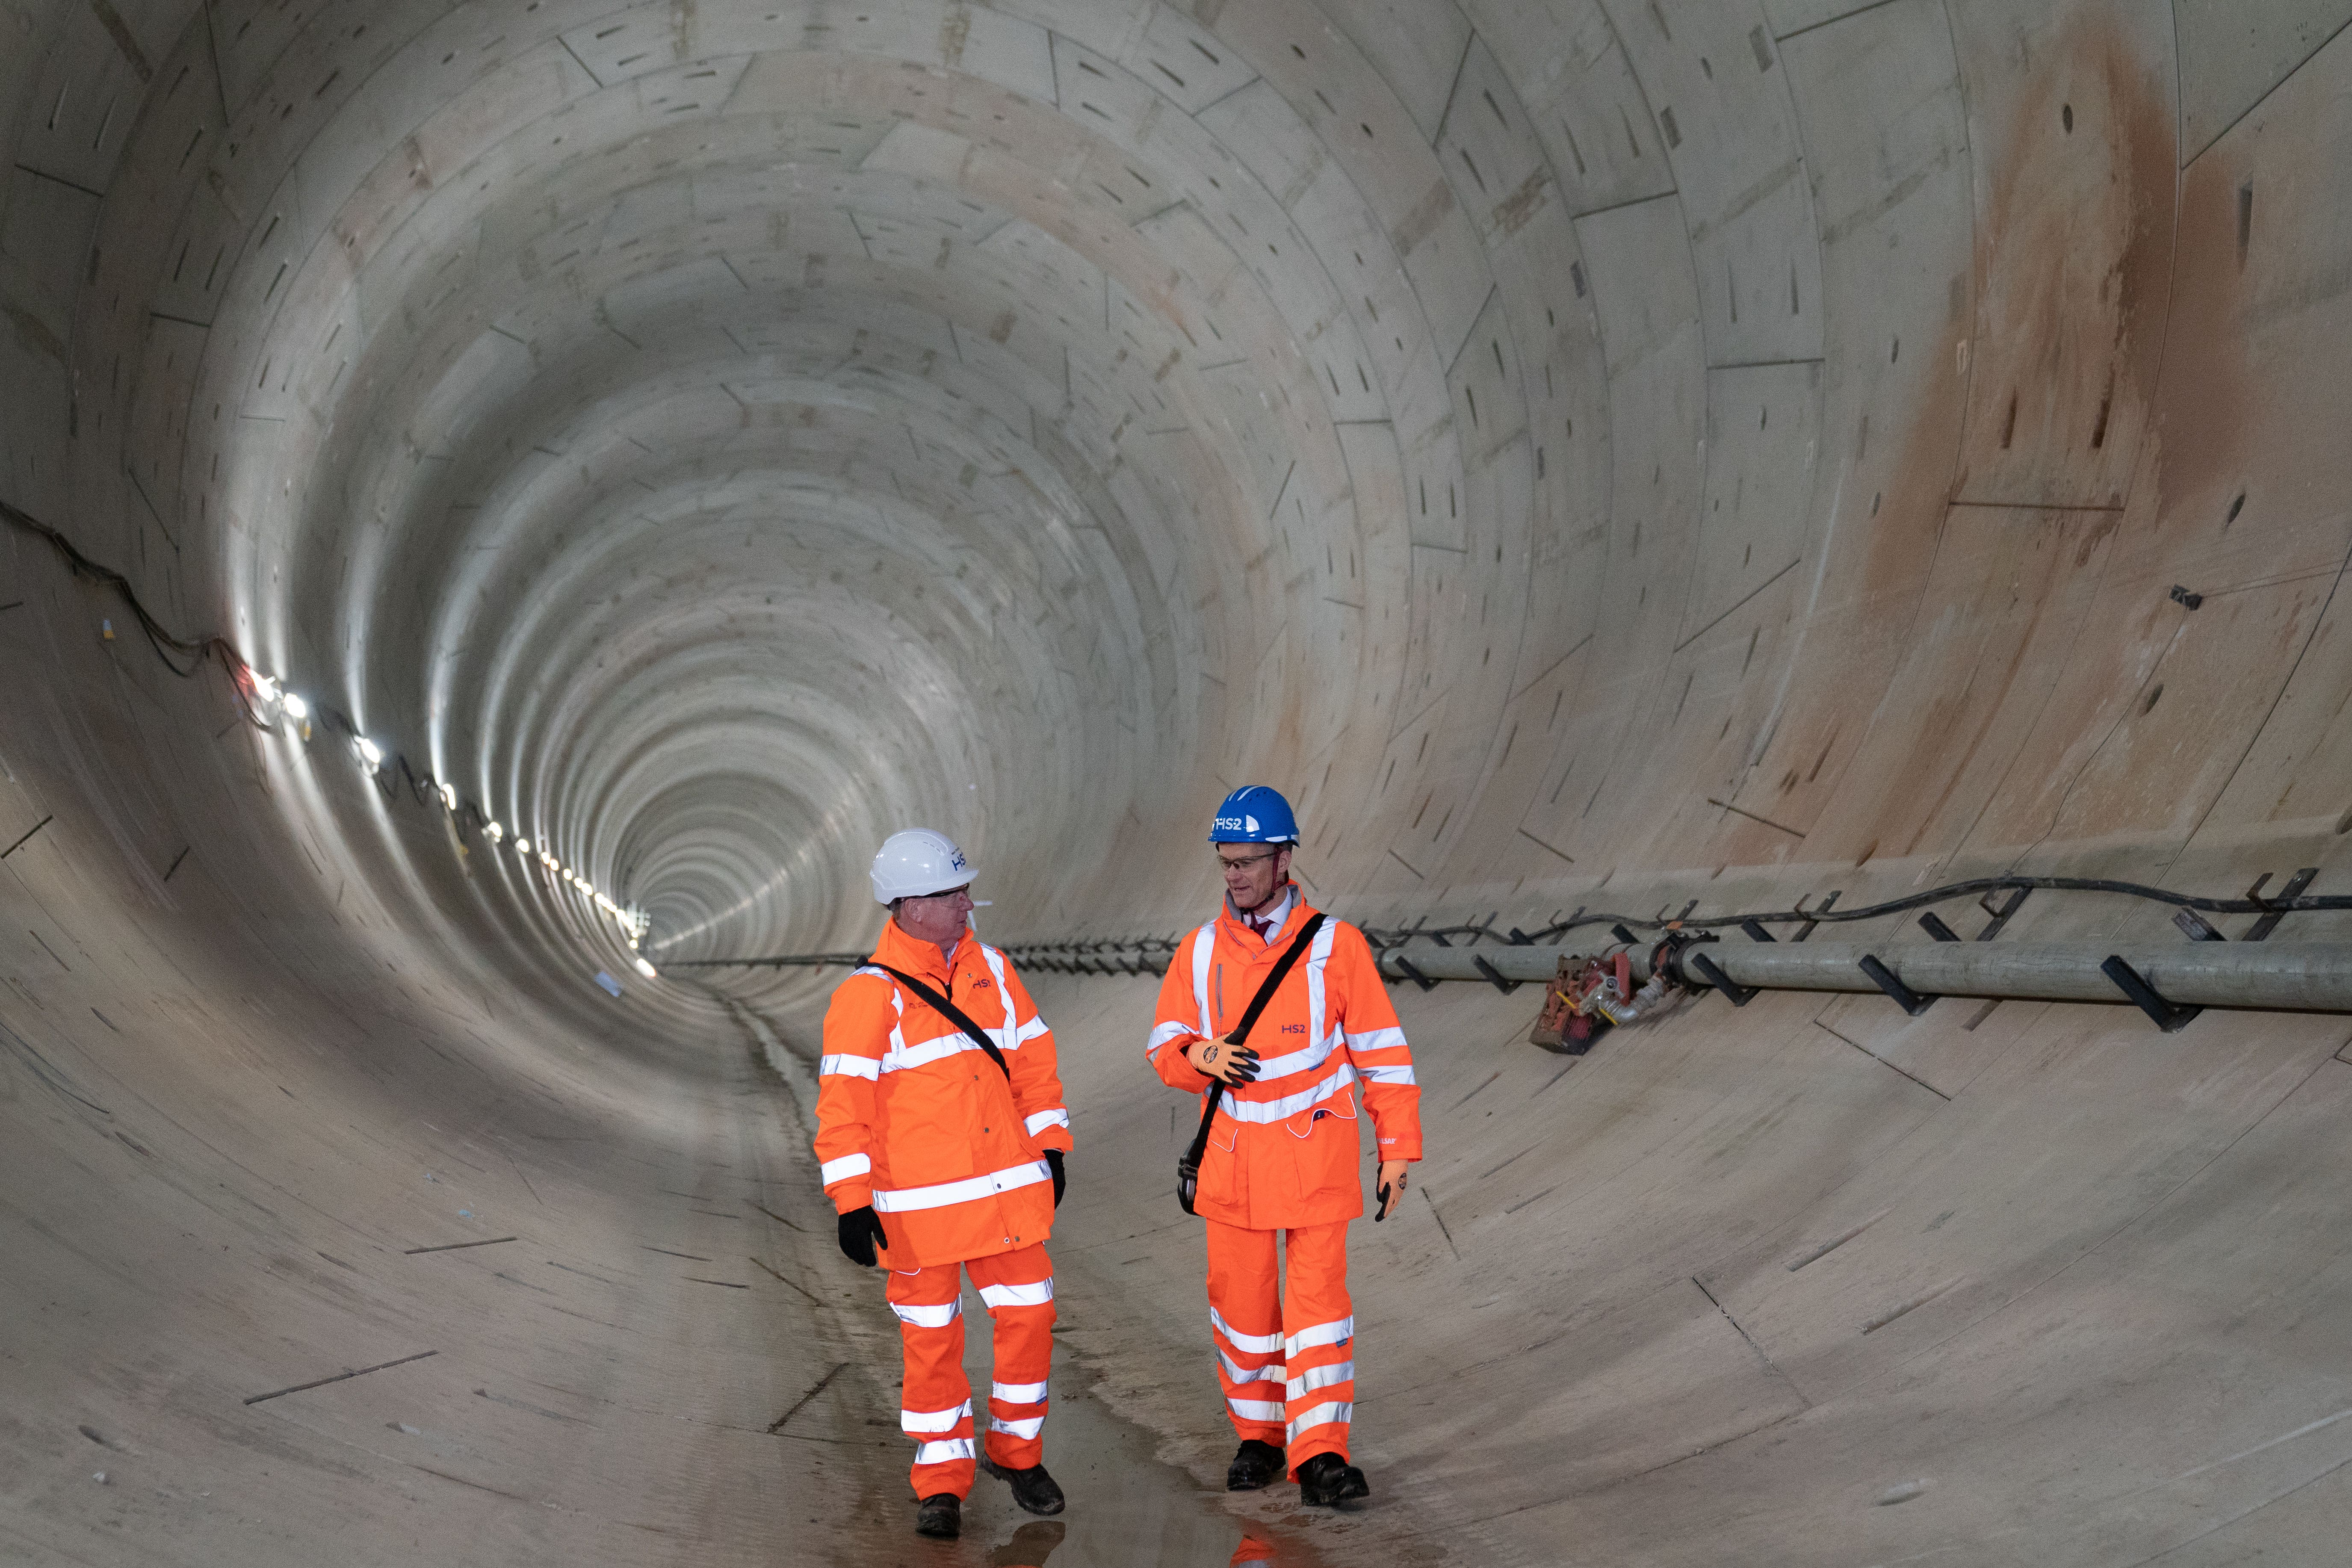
pixel 1283 1147
pixel 945 1153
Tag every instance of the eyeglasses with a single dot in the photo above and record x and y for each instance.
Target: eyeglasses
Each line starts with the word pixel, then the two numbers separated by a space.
pixel 1246 861
pixel 947 893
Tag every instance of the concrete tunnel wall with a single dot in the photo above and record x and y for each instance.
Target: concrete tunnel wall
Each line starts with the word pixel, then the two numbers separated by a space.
pixel 1589 452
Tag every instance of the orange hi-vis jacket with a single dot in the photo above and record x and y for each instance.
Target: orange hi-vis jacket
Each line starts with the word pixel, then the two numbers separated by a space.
pixel 914 1119
pixel 1283 1152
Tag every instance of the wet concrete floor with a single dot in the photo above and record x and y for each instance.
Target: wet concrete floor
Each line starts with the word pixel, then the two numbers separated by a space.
pixel 1127 1508
pixel 534 1335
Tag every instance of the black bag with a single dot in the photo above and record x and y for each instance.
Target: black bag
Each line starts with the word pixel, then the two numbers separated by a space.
pixel 1188 1169
pixel 954 1015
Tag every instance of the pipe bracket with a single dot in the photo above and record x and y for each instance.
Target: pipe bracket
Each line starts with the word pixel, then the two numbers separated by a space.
pixel 1886 979
pixel 1415 975
pixel 2000 917
pixel 1493 974
pixel 2280 906
pixel 2196 927
pixel 1737 995
pixel 2167 1015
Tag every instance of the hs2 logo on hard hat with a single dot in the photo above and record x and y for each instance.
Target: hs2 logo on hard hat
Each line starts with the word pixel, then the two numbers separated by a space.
pixel 1237 823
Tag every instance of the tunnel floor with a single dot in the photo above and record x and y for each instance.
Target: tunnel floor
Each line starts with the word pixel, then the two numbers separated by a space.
pixel 1795 1283
pixel 608 1354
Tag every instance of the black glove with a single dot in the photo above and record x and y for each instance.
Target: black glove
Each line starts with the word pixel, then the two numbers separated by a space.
pixel 1382 1212
pixel 1245 1062
pixel 861 1230
pixel 1054 1158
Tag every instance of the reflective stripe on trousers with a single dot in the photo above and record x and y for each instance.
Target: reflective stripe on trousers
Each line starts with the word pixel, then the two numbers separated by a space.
pixel 936 1406
pixel 1286 1359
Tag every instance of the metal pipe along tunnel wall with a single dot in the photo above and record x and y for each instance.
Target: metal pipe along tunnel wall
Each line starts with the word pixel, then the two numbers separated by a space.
pixel 1666 456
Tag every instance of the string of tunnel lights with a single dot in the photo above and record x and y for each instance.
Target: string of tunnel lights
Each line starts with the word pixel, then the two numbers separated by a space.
pixel 274 708
pixel 270 706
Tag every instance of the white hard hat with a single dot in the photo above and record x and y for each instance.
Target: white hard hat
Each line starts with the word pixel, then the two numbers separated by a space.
pixel 917 863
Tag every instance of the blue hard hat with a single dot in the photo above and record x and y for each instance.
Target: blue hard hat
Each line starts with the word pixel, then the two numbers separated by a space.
pixel 1254 814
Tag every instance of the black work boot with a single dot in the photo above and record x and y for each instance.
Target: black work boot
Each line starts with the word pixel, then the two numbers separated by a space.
pixel 1327 1479
pixel 1255 1463
pixel 1032 1488
pixel 941 1516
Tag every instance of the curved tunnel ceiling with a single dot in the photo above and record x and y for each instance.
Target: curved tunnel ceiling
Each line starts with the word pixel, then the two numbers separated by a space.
pixel 1591 453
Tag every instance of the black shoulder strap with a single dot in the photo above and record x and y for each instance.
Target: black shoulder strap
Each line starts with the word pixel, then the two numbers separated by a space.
pixel 1275 978
pixel 1188 1169
pixel 955 1014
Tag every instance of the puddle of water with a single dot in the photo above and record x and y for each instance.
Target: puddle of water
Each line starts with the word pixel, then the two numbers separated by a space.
pixel 1127 1508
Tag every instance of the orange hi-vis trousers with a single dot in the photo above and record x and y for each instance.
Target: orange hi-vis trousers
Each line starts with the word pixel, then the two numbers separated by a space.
pixel 1285 1358
pixel 935 1408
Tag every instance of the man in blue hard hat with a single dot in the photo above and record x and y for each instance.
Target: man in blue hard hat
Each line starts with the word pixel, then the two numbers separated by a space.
pixel 1282 1144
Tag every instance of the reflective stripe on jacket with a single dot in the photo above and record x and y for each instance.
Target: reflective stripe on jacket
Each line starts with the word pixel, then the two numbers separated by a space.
pixel 1284 1152
pixel 914 1119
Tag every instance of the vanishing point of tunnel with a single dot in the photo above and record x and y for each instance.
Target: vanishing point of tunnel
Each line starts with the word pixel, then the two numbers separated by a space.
pixel 493 492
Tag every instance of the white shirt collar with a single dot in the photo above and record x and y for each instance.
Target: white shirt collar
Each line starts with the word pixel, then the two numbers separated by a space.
pixel 1279 912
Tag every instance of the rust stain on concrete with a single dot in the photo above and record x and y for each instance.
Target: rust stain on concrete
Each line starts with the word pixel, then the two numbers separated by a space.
pixel 2073 273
